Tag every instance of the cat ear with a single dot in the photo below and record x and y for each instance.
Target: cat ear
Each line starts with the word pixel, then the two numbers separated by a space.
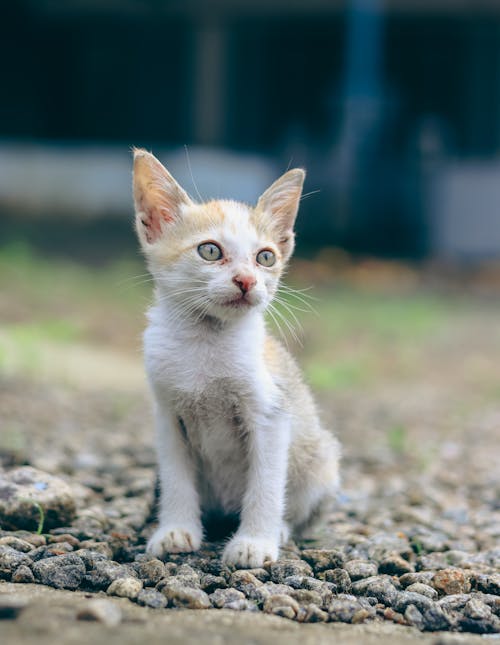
pixel 158 198
pixel 281 203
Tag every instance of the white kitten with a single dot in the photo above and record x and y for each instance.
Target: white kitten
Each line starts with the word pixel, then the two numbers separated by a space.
pixel 237 430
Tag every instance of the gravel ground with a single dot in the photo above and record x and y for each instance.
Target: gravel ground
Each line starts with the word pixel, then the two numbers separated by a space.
pixel 412 544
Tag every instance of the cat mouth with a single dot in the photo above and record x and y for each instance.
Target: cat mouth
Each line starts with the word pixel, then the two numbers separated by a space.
pixel 238 302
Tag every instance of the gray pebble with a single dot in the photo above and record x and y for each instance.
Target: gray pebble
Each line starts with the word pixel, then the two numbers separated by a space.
pixel 16 543
pixel 340 578
pixel 489 583
pixel 151 598
pixel 210 583
pixel 281 605
pixel 62 571
pixel 104 572
pixel 23 574
pixel 125 588
pixel 188 597
pixel 414 617
pixel 150 571
pixel 423 577
pixel 405 598
pixel 306 597
pixel 10 560
pixel 359 569
pixel 313 614
pixel 222 597
pixel 321 559
pixel 435 619
pixel 395 565
pixel 425 590
pixel 284 568
pixel 381 587
pixel 343 610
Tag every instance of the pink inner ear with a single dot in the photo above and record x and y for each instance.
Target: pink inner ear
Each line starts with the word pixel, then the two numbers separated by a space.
pixel 152 217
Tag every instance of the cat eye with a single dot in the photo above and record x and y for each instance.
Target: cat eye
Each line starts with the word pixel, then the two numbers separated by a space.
pixel 210 251
pixel 266 258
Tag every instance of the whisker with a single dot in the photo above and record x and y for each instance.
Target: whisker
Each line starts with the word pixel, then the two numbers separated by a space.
pixel 191 173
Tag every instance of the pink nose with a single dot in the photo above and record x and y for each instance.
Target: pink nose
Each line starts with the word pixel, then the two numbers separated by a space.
pixel 244 282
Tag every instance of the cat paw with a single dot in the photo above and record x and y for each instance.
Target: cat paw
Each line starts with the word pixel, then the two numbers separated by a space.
pixel 249 552
pixel 168 539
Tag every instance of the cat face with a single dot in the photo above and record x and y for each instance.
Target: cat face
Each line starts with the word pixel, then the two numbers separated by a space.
pixel 219 259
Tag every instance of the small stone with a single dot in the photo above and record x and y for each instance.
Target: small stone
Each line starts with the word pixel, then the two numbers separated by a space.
pixel 23 574
pixel 34 539
pixel 260 573
pixel 188 597
pixel 406 598
pixel 210 583
pixel 284 568
pixel 102 611
pixel 104 572
pixel 64 537
pixel 382 588
pixel 307 597
pixel 360 569
pixel 414 617
pixel 435 619
pixel 340 578
pixel 281 605
pixel 313 614
pixel 11 606
pixel 396 617
pixel 89 557
pixel 10 560
pixel 220 598
pixel 150 571
pixel 321 559
pixel 62 572
pixel 395 565
pixel 489 583
pixel 451 581
pixel 98 547
pixel 125 588
pixel 425 590
pixel 243 577
pixel 424 577
pixel 16 543
pixel 151 598
pixel 382 545
pixel 477 610
pixel 453 602
pixel 342 610
pixel 28 496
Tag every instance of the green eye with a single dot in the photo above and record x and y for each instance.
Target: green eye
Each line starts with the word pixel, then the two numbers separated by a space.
pixel 266 257
pixel 210 252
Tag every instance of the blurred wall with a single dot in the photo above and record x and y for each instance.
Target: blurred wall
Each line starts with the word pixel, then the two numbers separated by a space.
pixel 379 100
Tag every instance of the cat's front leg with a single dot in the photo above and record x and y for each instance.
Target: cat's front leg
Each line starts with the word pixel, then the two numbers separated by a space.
pixel 261 529
pixel 180 528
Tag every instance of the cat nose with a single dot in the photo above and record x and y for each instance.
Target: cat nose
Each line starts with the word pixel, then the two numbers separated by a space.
pixel 244 282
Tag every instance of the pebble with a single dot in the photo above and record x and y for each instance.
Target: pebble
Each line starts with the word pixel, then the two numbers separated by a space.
pixel 151 598
pixel 381 587
pixel 210 583
pixel 340 578
pixel 222 597
pixel 125 588
pixel 489 583
pixel 188 597
pixel 10 560
pixel 414 617
pixel 312 614
pixel 16 543
pixel 322 559
pixel 451 581
pixel 28 495
pixel 283 568
pixel 395 565
pixel 62 572
pixel 359 569
pixel 425 590
pixel 343 610
pixel 150 571
pixel 104 572
pixel 281 605
pixel 23 574
pixel 102 611
pixel 406 598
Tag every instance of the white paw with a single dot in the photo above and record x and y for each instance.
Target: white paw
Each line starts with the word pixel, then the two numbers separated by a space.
pixel 170 539
pixel 249 552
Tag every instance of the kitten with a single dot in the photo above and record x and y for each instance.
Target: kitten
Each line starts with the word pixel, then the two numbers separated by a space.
pixel 237 430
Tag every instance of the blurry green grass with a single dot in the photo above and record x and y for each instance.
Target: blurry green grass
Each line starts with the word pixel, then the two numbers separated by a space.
pixel 357 336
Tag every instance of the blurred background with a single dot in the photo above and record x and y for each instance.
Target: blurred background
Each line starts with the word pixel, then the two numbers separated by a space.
pixel 394 109
pixel 392 106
